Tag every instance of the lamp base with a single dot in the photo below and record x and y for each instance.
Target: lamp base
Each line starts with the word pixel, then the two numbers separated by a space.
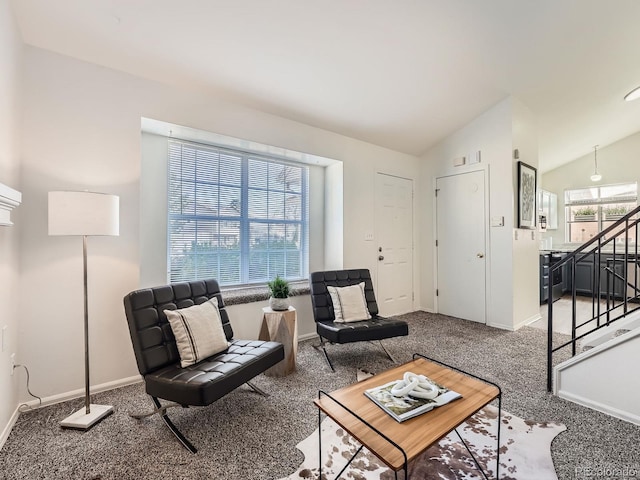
pixel 84 421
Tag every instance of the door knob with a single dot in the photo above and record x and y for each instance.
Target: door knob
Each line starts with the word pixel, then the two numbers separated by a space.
pixel 380 257
pixel 480 255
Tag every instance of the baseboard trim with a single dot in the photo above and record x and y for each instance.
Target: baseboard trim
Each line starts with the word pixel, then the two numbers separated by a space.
pixel 63 397
pixel 307 336
pixel 501 326
pixel 9 427
pixel 518 326
pixel 528 321
pixel 614 412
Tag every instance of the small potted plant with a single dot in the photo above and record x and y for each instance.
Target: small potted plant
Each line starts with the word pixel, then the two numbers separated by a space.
pixel 279 289
pixel 615 213
pixel 585 213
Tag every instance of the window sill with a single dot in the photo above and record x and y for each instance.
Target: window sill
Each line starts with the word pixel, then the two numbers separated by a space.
pixel 238 296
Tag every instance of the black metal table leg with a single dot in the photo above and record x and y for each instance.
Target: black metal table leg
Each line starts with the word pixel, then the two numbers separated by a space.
pixel 320 394
pixel 499 397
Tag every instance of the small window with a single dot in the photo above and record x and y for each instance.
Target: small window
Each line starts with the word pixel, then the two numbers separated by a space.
pixel 591 210
pixel 234 216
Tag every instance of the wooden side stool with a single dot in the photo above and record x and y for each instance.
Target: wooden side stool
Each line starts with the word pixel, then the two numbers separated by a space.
pixel 281 326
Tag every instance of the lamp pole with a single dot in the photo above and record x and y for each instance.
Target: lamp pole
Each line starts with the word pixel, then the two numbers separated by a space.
pixel 87 393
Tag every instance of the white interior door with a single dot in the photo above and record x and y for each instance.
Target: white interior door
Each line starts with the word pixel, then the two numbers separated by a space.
pixel 394 237
pixel 460 234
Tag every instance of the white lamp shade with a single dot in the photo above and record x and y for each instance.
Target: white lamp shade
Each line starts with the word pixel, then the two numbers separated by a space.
pixel 83 213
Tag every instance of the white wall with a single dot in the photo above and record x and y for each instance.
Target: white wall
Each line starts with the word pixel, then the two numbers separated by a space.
pixel 493 133
pixel 82 130
pixel 617 163
pixel 589 379
pixel 10 97
pixel 153 210
pixel 246 318
pixel 526 260
pixel 333 217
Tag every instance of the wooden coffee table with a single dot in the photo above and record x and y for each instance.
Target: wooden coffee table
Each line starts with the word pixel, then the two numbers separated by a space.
pixel 397 444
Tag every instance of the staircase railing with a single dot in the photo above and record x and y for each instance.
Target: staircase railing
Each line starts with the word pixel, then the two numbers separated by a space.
pixel 611 262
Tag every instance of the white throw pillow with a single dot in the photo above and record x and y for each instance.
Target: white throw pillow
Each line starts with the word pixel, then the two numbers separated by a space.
pixel 349 303
pixel 335 299
pixel 198 331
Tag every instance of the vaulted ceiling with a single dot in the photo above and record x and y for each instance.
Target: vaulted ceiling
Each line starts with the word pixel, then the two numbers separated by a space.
pixel 397 73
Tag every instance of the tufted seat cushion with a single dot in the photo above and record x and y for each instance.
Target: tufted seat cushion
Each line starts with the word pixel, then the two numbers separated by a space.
pixel 378 328
pixel 207 381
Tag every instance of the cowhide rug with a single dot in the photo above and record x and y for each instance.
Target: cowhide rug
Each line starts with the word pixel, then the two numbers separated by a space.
pixel 525 452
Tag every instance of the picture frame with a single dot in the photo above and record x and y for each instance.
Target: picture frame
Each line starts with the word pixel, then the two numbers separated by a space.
pixel 527 185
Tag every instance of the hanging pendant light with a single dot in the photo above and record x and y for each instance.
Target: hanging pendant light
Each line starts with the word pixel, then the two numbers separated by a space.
pixel 596 177
pixel 632 95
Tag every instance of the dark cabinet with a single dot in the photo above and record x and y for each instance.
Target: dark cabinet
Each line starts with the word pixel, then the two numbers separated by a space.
pixel 544 277
pixel 584 277
pixel 609 283
pixel 554 282
pixel 560 278
pixel 566 278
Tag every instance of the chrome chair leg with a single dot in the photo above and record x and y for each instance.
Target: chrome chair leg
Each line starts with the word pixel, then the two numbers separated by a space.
pixel 158 410
pixel 324 350
pixel 258 390
pixel 162 411
pixel 387 352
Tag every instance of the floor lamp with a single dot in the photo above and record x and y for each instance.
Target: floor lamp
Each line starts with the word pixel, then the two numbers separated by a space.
pixel 84 214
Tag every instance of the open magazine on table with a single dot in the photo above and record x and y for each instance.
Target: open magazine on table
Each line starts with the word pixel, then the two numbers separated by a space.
pixel 407 406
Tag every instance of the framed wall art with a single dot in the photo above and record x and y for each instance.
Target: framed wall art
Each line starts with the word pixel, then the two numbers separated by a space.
pixel 527 177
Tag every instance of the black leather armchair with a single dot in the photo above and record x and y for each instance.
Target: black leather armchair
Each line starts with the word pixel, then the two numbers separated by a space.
pixel 159 362
pixel 377 328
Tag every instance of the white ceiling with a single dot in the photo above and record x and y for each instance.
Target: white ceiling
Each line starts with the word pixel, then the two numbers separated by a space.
pixel 398 73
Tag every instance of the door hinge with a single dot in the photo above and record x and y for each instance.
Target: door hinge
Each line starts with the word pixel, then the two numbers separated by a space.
pixel 436 292
pixel 436 243
pixel 437 190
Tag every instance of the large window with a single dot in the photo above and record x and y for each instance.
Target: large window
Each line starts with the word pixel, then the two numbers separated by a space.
pixel 591 210
pixel 234 216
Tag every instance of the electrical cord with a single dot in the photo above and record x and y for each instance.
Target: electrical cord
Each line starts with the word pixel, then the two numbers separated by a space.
pixel 23 407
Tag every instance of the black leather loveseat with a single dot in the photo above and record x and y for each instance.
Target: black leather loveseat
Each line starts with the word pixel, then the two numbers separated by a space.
pixel 158 360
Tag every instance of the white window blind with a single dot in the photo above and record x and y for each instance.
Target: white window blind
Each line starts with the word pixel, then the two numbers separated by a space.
pixel 234 216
